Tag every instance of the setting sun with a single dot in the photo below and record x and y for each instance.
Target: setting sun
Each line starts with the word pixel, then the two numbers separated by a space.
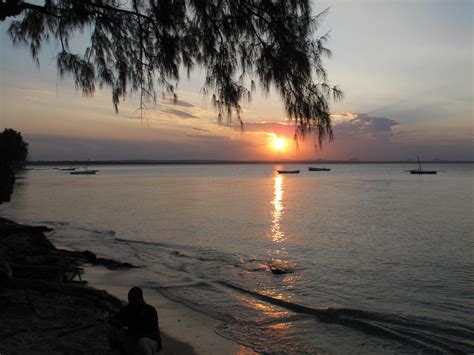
pixel 279 144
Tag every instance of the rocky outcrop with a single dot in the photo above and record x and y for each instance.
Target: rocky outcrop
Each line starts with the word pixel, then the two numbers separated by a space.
pixel 25 252
pixel 45 306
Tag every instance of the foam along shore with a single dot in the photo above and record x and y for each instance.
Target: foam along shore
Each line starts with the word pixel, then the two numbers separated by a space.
pixel 185 324
pixel 45 308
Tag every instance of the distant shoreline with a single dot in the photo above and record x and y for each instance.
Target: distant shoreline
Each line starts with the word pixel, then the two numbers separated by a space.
pixel 232 162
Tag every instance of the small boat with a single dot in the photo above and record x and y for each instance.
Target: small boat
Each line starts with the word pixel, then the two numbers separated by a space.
pixel 84 172
pixel 420 171
pixel 432 172
pixel 67 169
pixel 310 168
pixel 288 171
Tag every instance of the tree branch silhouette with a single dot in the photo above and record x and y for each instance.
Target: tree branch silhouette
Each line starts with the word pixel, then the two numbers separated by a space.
pixel 141 46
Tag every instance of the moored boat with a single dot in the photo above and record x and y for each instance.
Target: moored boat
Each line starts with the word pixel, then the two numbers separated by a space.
pixel 310 168
pixel 84 172
pixel 419 171
pixel 288 171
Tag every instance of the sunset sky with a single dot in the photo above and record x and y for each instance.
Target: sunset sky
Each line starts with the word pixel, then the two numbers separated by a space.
pixel 406 69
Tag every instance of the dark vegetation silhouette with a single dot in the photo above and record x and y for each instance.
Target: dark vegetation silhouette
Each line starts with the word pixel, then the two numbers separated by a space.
pixel 141 45
pixel 7 180
pixel 13 148
pixel 13 154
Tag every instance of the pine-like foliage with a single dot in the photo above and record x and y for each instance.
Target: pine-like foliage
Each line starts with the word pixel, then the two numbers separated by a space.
pixel 141 45
pixel 13 149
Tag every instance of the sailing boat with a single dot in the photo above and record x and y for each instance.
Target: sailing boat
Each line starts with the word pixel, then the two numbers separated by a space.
pixel 420 171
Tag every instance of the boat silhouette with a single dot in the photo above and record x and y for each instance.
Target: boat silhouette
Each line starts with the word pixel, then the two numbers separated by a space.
pixel 421 171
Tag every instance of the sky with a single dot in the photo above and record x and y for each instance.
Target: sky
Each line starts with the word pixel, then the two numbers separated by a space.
pixel 405 66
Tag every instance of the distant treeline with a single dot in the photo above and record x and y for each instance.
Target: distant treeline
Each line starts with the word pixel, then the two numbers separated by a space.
pixel 216 162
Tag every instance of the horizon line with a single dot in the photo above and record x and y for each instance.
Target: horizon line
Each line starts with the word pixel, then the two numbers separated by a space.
pixel 217 161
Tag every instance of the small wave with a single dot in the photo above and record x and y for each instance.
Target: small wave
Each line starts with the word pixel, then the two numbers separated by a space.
pixel 69 225
pixel 265 340
pixel 190 252
pixel 98 231
pixel 191 283
pixel 55 223
pixel 122 240
pixel 199 296
pixel 428 335
pixel 276 266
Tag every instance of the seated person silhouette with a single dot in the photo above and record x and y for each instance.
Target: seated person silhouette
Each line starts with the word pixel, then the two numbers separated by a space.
pixel 135 328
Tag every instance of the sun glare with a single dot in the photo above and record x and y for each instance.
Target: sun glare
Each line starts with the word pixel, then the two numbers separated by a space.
pixel 279 144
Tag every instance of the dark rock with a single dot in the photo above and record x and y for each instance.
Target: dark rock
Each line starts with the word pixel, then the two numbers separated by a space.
pixel 31 255
pixel 278 271
pixel 89 255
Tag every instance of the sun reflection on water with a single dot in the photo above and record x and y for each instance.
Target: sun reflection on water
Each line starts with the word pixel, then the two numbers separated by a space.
pixel 266 310
pixel 276 232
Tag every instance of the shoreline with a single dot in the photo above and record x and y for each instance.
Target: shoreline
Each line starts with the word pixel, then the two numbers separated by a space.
pixel 186 325
pixel 47 308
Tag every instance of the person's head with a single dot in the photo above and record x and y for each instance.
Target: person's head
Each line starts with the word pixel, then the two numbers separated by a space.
pixel 135 296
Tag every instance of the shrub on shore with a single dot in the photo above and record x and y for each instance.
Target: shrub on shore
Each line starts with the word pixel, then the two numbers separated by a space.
pixel 13 149
pixel 13 154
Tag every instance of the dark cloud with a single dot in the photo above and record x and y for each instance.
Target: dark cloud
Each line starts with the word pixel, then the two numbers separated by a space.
pixel 34 90
pixel 179 113
pixel 374 138
pixel 356 135
pixel 177 103
pixel 363 123
pixel 49 147
pixel 200 129
pixel 208 138
pixel 363 136
pixel 280 129
pixel 348 123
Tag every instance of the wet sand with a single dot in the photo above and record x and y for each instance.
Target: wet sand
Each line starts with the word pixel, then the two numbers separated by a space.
pixel 186 325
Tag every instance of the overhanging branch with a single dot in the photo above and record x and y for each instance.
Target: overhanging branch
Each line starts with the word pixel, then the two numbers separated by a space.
pixel 13 8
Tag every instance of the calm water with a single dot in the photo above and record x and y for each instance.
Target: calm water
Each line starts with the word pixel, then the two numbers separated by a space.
pixel 391 254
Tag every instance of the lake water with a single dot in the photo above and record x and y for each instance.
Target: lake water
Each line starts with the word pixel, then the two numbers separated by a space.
pixel 373 259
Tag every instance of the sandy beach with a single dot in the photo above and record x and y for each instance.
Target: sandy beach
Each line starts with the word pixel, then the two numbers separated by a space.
pixel 47 307
pixel 184 324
